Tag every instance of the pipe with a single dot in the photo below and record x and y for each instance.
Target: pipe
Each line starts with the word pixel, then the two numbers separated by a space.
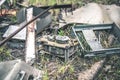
pixel 58 6
pixel 14 33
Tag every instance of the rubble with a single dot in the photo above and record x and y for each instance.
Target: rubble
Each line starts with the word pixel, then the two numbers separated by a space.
pixel 92 40
pixel 95 31
pixel 91 73
pixel 21 35
pixel 18 70
pixel 98 14
pixel 41 22
pixel 61 46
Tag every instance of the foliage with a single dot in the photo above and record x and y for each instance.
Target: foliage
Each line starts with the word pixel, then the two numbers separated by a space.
pixel 45 76
pixel 4 54
pixel 44 2
pixel 51 2
pixel 61 32
pixel 13 19
pixel 80 2
pixel 113 72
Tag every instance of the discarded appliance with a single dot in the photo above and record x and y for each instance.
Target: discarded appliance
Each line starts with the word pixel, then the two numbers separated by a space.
pixel 61 46
pixel 100 39
pixel 18 70
pixel 41 23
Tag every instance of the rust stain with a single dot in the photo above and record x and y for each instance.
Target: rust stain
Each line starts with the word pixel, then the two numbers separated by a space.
pixel 8 12
pixel 31 27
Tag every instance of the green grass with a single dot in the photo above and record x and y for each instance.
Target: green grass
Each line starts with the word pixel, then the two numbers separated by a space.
pixel 4 53
pixel 43 2
pixel 51 2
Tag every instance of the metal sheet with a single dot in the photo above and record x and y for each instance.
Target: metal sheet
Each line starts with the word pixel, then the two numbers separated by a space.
pixel 92 40
pixel 10 69
pixel 2 1
pixel 93 27
pixel 21 15
pixel 103 52
pixel 22 27
pixel 4 69
pixel 21 35
pixel 30 38
pixel 41 23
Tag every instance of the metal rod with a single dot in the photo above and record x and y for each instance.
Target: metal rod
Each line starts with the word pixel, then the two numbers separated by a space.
pixel 14 33
pixel 58 6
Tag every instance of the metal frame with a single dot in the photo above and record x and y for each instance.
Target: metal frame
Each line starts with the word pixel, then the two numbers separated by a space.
pixel 93 27
pixel 79 28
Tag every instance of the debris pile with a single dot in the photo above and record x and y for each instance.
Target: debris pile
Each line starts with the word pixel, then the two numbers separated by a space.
pixel 92 72
pixel 18 70
pixel 93 40
pixel 64 50
pixel 61 46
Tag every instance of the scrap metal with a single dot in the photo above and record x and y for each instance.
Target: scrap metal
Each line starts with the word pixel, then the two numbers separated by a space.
pixel 60 46
pixel 18 70
pixel 21 35
pixel 59 6
pixel 30 38
pixel 93 41
pixel 41 23
pixel 93 27
pixel 18 30
pixel 103 52
pixel 2 1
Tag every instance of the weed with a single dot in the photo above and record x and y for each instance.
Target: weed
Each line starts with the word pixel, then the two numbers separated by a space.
pixel 13 19
pixel 45 76
pixel 61 32
pixel 4 54
pixel 71 69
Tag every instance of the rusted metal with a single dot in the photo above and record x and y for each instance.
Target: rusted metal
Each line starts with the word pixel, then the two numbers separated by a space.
pixel 14 33
pixel 61 46
pixel 58 6
pixel 30 38
pixel 41 23
pixel 91 42
pixel 8 12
